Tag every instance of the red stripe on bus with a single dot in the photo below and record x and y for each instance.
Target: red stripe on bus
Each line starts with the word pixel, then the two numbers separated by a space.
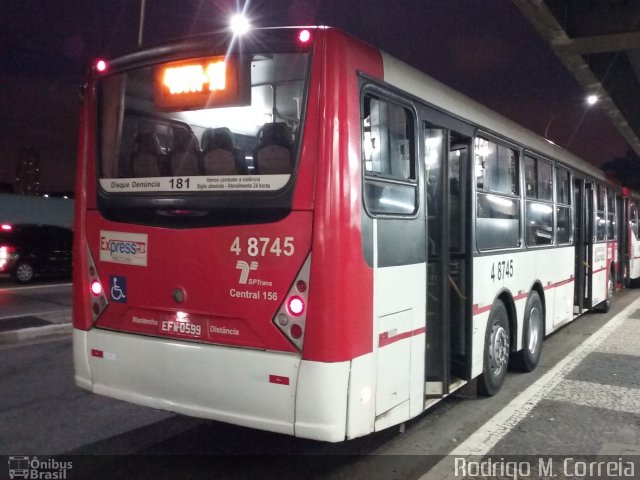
pixel 599 270
pixel 477 310
pixel 559 284
pixel 279 380
pixel 520 296
pixel 385 339
pixel 97 353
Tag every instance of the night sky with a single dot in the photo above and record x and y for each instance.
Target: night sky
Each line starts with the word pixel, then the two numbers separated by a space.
pixel 484 49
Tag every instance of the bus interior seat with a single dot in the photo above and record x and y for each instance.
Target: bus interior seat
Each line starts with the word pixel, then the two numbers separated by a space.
pixel 184 154
pixel 147 157
pixel 220 157
pixel 273 153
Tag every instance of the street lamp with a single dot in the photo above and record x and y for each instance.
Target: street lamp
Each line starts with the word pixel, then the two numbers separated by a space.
pixel 589 101
pixel 239 24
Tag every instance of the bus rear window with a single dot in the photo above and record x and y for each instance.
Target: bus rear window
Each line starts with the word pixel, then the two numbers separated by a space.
pixel 200 125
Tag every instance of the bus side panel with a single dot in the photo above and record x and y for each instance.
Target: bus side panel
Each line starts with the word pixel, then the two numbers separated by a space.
pixel 340 282
pixel 600 273
pixel 634 255
pixel 399 311
pixel 514 274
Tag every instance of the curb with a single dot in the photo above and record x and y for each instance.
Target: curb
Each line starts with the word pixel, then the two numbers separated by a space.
pixel 56 330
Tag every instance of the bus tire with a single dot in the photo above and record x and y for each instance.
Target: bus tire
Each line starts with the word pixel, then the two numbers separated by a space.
pixel 605 306
pixel 496 351
pixel 527 359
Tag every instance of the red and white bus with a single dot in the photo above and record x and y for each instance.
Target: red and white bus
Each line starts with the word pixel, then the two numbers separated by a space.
pixel 296 232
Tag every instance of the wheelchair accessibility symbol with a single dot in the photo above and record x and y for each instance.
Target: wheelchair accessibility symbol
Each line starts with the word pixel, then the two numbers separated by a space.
pixel 118 289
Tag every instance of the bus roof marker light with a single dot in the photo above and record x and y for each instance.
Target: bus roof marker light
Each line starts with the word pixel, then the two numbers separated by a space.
pixel 304 36
pixel 101 66
pixel 239 24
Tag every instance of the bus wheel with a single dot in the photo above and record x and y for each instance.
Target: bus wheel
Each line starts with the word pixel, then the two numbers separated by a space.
pixel 496 351
pixel 533 335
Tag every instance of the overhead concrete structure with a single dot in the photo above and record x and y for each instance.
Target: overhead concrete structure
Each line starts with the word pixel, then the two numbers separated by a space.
pixel 599 42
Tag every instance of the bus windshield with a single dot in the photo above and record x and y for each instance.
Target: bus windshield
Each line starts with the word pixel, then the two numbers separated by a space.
pixel 202 125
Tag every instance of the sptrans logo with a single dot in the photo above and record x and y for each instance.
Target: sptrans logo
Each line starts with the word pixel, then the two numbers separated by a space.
pixel 120 247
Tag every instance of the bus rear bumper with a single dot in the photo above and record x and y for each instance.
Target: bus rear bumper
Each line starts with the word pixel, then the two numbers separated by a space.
pixel 251 388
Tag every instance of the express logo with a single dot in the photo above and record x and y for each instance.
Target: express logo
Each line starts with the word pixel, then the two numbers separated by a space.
pixel 121 247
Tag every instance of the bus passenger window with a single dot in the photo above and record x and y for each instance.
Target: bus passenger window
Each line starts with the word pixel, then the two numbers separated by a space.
pixel 539 192
pixel 563 207
pixel 388 139
pixel 388 149
pixel 601 219
pixel 611 214
pixel 498 200
pixel 633 219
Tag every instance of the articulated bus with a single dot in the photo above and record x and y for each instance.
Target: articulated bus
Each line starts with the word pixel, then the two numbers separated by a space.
pixel 294 231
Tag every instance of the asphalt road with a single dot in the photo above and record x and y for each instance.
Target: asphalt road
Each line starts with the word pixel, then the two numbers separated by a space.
pixel 43 413
pixel 39 298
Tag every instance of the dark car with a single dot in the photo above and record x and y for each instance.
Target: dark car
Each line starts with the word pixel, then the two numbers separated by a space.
pixel 29 250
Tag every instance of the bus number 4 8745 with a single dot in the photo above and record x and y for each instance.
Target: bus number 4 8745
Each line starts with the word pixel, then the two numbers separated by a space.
pixel 501 270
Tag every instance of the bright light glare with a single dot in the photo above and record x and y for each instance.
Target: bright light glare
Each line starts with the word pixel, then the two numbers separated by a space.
pixel 240 24
pixel 304 36
pixel 296 305
pixel 101 65
pixel 592 99
pixel 96 288
pixel 6 227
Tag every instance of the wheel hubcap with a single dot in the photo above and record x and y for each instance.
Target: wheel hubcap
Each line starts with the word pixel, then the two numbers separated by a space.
pixel 24 272
pixel 499 349
pixel 535 323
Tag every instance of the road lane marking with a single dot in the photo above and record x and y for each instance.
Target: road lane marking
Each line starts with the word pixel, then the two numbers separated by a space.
pixel 30 314
pixel 33 287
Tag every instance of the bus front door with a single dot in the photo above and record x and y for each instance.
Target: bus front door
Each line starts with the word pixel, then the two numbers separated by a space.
pixel 446 164
pixel 583 238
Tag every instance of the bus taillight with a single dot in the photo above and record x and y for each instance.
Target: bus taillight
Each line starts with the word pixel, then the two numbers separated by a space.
pixel 96 287
pixel 98 298
pixel 295 305
pixel 292 314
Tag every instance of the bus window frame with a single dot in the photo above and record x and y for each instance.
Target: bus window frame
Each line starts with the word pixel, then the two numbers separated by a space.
pixel 519 182
pixel 534 199
pixel 557 205
pixel 384 94
pixel 128 206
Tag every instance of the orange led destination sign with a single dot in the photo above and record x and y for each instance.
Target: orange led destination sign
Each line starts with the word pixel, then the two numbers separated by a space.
pixel 199 83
